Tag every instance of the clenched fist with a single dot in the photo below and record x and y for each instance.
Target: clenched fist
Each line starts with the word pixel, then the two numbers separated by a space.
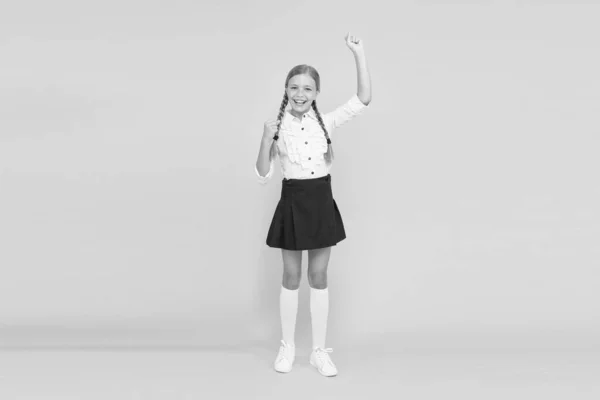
pixel 270 129
pixel 353 43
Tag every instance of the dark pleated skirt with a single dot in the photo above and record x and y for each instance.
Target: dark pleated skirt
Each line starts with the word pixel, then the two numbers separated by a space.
pixel 307 217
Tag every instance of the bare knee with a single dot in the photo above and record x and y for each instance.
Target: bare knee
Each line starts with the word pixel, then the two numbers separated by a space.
pixel 291 280
pixel 317 279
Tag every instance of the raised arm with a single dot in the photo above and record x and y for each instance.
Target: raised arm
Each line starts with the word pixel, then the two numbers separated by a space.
pixel 363 77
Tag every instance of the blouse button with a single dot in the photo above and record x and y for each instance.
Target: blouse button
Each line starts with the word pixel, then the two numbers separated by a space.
pixel 302 128
pixel 312 173
pixel 309 158
pixel 305 142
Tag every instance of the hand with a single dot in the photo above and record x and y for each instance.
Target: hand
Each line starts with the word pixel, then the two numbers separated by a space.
pixel 354 43
pixel 270 129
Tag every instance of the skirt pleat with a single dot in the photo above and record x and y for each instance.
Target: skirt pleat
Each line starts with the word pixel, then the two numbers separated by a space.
pixel 306 217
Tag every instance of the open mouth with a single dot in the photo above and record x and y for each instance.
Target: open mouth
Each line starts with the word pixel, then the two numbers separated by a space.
pixel 299 103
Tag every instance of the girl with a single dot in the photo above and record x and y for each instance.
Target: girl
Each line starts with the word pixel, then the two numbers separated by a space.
pixel 307 216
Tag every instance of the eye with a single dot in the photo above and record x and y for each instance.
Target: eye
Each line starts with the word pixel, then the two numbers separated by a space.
pixel 309 89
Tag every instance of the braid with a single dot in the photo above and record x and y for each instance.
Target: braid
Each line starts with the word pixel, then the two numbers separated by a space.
pixel 274 148
pixel 329 154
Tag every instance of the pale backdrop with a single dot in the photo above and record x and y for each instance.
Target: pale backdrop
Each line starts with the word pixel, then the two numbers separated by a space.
pixel 130 212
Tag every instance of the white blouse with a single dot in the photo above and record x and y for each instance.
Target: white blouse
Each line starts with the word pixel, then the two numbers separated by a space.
pixel 302 143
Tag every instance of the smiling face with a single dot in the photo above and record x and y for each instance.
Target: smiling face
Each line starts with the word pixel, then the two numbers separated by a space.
pixel 301 91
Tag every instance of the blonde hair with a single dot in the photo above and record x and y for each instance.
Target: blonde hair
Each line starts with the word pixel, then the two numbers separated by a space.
pixel 299 70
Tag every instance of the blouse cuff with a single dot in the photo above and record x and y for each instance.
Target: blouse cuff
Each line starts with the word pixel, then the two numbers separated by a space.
pixel 264 179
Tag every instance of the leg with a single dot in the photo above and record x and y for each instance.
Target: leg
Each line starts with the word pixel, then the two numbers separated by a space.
pixel 318 260
pixel 288 306
pixel 292 268
pixel 288 299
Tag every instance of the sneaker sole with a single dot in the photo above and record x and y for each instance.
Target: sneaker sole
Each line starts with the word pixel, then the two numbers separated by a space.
pixel 283 371
pixel 328 376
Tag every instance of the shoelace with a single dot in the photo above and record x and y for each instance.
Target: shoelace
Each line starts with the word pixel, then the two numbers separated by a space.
pixel 323 356
pixel 282 352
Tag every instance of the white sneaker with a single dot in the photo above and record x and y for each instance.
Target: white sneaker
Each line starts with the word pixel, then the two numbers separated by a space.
pixel 319 358
pixel 285 357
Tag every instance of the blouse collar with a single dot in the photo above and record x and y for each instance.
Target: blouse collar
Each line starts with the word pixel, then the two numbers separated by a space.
pixel 310 113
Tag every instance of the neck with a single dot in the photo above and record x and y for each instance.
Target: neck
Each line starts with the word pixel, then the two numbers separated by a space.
pixel 296 113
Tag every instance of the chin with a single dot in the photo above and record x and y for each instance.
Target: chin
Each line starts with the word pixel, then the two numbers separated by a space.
pixel 305 108
pixel 302 110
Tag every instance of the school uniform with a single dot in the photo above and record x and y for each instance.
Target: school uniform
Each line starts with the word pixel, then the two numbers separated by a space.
pixel 307 216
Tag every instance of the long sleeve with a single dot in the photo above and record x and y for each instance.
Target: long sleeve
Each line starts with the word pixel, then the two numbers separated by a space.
pixel 344 113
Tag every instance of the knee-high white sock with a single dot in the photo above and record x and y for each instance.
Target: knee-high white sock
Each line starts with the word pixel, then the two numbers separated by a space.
pixel 288 307
pixel 319 310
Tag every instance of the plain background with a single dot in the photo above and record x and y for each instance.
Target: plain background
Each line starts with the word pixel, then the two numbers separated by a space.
pixel 130 211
